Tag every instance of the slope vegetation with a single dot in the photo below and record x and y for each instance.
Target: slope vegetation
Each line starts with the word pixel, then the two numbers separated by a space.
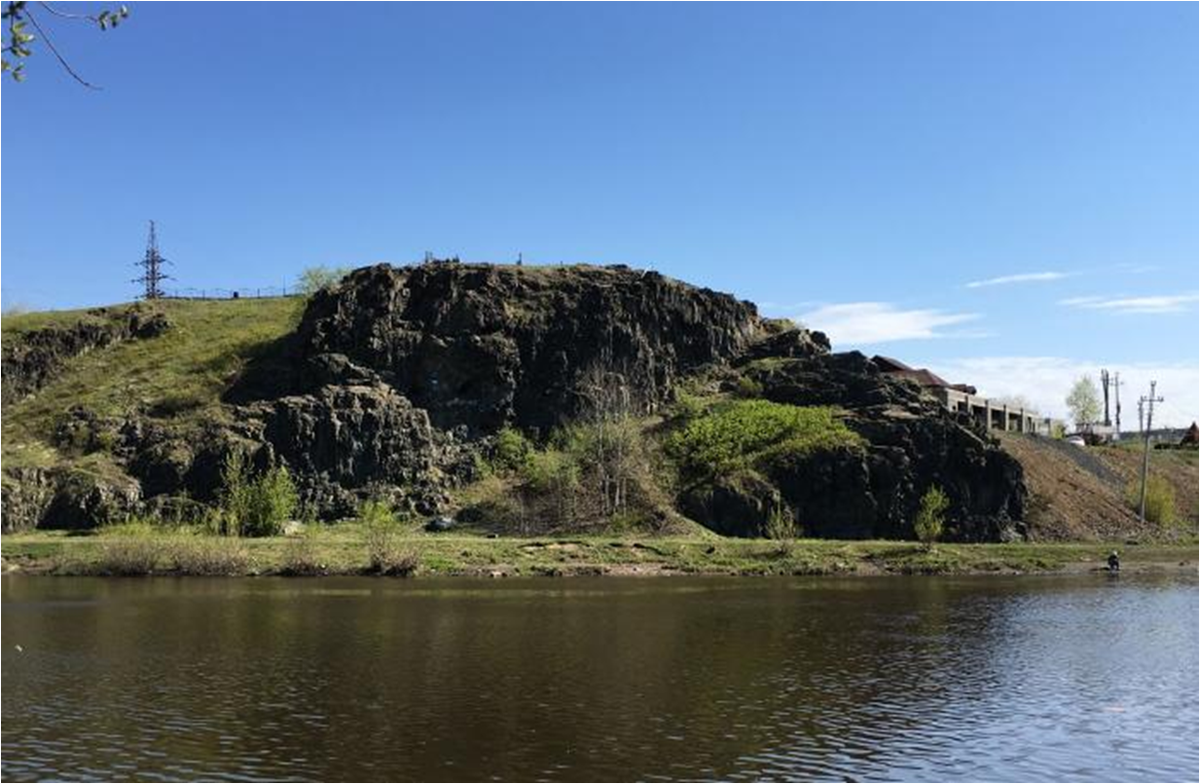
pixel 398 385
pixel 1079 493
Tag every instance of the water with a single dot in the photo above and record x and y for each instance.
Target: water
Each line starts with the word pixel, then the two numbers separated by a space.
pixel 371 679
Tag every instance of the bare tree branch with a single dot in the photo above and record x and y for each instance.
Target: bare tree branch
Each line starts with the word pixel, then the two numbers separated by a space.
pixel 65 15
pixel 54 50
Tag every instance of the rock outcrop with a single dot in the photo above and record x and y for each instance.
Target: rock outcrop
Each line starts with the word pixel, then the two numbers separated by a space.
pixel 912 444
pixel 396 379
pixel 357 440
pixel 484 346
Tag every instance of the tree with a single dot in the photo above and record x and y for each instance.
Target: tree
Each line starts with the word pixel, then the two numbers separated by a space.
pixel 931 516
pixel 1084 401
pixel 314 279
pixel 18 16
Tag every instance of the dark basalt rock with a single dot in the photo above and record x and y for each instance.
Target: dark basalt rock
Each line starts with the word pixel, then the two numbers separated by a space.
pixel 364 438
pixel 27 495
pixel 874 491
pixel 85 500
pixel 791 344
pixel 396 378
pixel 439 523
pixel 738 505
pixel 486 346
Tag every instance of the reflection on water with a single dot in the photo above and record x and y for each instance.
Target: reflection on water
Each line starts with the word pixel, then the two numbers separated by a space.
pixel 365 679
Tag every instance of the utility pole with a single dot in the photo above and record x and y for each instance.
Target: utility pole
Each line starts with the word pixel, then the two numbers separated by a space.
pixel 1149 402
pixel 1104 386
pixel 1117 397
pixel 152 264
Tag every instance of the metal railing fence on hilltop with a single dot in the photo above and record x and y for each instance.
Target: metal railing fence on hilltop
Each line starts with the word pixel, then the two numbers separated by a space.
pixel 248 292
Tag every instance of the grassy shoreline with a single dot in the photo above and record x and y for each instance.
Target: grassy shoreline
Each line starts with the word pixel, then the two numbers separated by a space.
pixel 344 551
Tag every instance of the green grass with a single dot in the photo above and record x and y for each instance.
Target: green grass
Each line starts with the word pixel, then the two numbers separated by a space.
pixel 746 433
pixel 16 324
pixel 181 374
pixel 344 549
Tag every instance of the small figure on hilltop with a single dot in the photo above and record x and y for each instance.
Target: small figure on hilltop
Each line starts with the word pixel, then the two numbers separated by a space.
pixel 1114 562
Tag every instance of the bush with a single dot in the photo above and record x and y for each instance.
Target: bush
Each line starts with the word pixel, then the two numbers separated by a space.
pixel 930 521
pixel 748 432
pixel 781 526
pixel 385 553
pixel 255 507
pixel 211 556
pixel 511 450
pixel 551 471
pixel 128 556
pixel 273 501
pixel 300 558
pixel 1160 499
pixel 132 549
pixel 748 388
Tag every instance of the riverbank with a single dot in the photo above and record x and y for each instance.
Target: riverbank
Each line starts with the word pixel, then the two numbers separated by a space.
pixel 349 549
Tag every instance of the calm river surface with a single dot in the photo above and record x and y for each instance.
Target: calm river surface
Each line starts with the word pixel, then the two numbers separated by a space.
pixel 1073 678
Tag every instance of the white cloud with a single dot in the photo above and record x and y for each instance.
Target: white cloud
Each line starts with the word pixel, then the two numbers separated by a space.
pixel 1024 277
pixel 880 322
pixel 1045 382
pixel 1166 303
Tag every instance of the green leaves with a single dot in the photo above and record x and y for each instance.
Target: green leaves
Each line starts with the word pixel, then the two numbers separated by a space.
pixel 931 516
pixel 108 19
pixel 16 49
pixel 16 40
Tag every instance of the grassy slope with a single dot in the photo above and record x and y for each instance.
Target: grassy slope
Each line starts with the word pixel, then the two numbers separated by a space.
pixel 1084 498
pixel 185 369
pixel 1179 467
pixel 342 550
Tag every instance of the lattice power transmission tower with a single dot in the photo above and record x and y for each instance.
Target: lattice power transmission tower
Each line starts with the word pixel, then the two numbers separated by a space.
pixel 152 275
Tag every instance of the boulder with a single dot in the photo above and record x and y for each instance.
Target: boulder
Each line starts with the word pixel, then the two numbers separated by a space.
pixel 83 499
pixel 439 523
pixel 24 497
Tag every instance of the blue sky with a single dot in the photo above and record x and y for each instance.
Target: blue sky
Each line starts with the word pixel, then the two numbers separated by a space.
pixel 1006 193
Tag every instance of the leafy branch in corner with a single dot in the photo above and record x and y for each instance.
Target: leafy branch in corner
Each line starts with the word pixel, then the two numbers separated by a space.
pixel 17 14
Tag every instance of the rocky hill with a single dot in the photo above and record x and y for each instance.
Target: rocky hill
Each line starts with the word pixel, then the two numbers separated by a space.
pixel 404 383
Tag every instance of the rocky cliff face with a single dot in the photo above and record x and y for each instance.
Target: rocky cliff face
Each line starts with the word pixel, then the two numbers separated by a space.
pixel 482 346
pixel 395 379
pixel 912 444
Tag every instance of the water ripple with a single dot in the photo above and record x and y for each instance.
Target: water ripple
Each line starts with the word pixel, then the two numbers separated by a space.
pixel 925 679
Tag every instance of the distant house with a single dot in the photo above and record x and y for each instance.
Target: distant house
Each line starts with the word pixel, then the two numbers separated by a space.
pixel 1191 437
pixel 923 376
